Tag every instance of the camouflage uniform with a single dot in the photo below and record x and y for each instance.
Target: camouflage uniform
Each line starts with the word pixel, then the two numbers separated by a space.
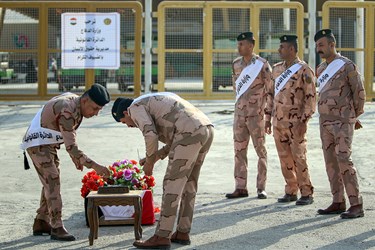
pixel 341 101
pixel 187 134
pixel 249 122
pixel 63 114
pixel 291 109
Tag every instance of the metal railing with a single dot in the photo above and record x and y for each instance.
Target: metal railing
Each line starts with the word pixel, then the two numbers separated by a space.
pixel 353 24
pixel 197 41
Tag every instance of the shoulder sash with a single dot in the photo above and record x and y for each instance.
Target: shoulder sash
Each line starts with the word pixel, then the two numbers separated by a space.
pixel 247 77
pixel 330 71
pixel 284 77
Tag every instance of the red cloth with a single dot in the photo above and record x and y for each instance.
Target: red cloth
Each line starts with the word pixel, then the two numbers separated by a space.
pixel 148 215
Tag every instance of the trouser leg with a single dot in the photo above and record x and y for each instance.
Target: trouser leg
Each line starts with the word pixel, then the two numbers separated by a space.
pixel 288 167
pixel 46 164
pixel 298 150
pixel 332 166
pixel 257 133
pixel 241 137
pixel 181 179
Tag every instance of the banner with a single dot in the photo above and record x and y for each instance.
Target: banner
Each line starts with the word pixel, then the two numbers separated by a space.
pixel 90 40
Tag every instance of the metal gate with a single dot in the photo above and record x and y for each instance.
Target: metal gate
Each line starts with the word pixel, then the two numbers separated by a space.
pixel 353 24
pixel 30 50
pixel 197 41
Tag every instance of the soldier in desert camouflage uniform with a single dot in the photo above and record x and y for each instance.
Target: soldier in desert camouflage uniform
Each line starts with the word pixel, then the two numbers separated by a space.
pixel 251 76
pixel 56 123
pixel 341 102
pixel 187 134
pixel 291 104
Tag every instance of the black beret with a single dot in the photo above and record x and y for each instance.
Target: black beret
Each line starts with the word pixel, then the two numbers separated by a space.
pixel 246 36
pixel 323 33
pixel 99 94
pixel 288 38
pixel 119 106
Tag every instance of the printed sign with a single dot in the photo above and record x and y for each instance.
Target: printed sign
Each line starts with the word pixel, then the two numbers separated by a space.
pixel 90 40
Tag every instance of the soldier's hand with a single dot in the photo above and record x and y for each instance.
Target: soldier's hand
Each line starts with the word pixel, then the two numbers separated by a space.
pixel 79 167
pixel 357 125
pixel 267 127
pixel 148 168
pixel 142 161
pixel 102 171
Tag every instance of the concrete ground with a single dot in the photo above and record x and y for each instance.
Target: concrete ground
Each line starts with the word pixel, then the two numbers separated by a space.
pixel 219 223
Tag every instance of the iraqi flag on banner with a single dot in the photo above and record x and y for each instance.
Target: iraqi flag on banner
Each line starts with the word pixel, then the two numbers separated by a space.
pixel 73 21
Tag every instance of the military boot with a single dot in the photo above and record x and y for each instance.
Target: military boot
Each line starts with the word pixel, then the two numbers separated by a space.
pixel 41 227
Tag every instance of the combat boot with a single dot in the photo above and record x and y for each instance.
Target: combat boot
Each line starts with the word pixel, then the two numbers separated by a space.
pixel 155 242
pixel 334 208
pixel 261 194
pixel 353 212
pixel 238 193
pixel 180 238
pixel 41 227
pixel 60 233
pixel 287 198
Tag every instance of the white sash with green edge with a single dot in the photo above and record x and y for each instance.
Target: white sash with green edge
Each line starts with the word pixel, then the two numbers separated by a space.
pixel 284 77
pixel 247 77
pixel 37 135
pixel 330 71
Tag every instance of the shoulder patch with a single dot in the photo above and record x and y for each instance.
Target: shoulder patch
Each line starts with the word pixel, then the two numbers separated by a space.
pixel 308 79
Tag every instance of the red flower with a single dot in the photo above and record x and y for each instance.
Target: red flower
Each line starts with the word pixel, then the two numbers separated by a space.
pixel 91 182
pixel 120 174
pixel 134 162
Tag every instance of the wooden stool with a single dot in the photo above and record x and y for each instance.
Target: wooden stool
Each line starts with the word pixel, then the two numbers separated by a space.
pixel 133 198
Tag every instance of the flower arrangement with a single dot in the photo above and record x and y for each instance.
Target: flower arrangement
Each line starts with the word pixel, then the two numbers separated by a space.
pixel 91 182
pixel 123 173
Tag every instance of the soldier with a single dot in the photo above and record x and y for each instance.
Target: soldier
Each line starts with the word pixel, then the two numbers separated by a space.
pixel 291 105
pixel 251 76
pixel 54 124
pixel 187 134
pixel 341 102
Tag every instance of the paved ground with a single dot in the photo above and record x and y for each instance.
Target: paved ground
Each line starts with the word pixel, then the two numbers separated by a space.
pixel 219 223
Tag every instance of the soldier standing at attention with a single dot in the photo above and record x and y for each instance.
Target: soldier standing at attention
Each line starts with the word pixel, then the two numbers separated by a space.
pixel 187 134
pixel 291 105
pixel 54 124
pixel 251 76
pixel 341 102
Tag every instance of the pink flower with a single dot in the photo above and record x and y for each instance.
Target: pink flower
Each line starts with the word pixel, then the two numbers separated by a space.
pixel 128 174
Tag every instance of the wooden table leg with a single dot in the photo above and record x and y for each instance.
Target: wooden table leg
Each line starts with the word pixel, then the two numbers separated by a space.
pixel 93 217
pixel 90 216
pixel 138 218
pixel 95 220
